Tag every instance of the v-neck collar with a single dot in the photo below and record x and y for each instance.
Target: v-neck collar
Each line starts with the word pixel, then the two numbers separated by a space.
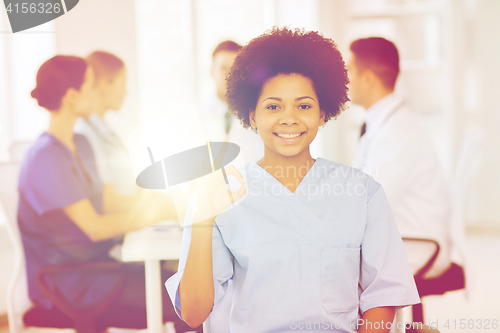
pixel 300 185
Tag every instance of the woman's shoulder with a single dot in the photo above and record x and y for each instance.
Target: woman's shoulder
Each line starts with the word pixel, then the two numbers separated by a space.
pixel 342 173
pixel 340 169
pixel 44 155
pixel 45 147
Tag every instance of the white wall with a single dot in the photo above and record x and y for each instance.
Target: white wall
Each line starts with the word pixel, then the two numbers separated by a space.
pixel 7 264
pixel 110 26
pixel 477 99
pixel 21 56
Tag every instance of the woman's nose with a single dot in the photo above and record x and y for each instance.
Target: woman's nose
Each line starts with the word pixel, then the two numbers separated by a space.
pixel 288 116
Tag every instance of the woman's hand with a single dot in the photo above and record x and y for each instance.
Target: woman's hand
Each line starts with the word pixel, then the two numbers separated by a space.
pixel 214 197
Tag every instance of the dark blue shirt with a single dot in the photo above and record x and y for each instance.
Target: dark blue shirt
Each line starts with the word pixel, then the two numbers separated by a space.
pixel 51 178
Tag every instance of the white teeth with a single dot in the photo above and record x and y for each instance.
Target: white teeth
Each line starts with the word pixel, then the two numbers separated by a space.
pixel 288 136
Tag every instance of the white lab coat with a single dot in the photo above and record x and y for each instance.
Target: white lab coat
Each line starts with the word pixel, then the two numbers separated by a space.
pixel 212 120
pixel 397 153
pixel 111 156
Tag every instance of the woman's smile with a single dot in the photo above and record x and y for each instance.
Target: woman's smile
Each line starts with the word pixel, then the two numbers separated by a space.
pixel 289 137
pixel 287 116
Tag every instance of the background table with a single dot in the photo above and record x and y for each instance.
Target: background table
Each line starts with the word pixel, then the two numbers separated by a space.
pixel 159 242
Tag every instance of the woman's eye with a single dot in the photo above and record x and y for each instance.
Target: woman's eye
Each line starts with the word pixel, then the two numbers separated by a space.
pixel 304 107
pixel 272 107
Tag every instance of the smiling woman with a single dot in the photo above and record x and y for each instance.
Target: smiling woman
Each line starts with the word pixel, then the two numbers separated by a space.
pixel 301 246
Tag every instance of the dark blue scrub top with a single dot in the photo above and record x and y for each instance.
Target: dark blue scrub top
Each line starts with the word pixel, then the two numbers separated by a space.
pixel 51 178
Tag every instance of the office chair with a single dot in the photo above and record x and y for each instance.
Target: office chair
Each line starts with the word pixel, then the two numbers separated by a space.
pixel 83 320
pixel 456 275
pixel 18 301
pixel 453 278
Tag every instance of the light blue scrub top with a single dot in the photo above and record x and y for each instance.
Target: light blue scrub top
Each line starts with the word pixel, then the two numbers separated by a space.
pixel 313 259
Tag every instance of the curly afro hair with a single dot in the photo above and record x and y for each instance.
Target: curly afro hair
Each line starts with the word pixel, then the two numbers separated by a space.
pixel 285 51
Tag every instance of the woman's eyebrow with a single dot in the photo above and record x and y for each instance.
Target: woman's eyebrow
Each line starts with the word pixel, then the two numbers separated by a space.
pixel 275 98
pixel 280 100
pixel 304 97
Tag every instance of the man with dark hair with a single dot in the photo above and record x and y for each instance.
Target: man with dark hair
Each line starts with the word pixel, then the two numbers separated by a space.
pixel 394 149
pixel 218 122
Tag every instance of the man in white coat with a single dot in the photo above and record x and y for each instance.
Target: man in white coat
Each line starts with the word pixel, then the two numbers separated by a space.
pixel 217 122
pixel 394 149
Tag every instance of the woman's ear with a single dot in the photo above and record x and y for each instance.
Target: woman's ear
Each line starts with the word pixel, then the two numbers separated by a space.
pixel 251 116
pixel 69 97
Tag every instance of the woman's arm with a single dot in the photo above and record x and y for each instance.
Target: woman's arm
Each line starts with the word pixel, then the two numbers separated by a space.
pixel 101 227
pixel 114 202
pixel 377 317
pixel 196 288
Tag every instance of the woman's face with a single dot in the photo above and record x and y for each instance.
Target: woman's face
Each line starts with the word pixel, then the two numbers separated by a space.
pixel 84 98
pixel 287 115
pixel 113 92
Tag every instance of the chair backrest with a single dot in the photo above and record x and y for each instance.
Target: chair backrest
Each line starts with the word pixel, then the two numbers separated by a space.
pixel 17 294
pixel 469 153
pixel 18 149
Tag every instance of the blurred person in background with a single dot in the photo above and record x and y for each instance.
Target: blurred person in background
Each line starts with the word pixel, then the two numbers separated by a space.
pixel 395 150
pixel 111 155
pixel 220 124
pixel 66 215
